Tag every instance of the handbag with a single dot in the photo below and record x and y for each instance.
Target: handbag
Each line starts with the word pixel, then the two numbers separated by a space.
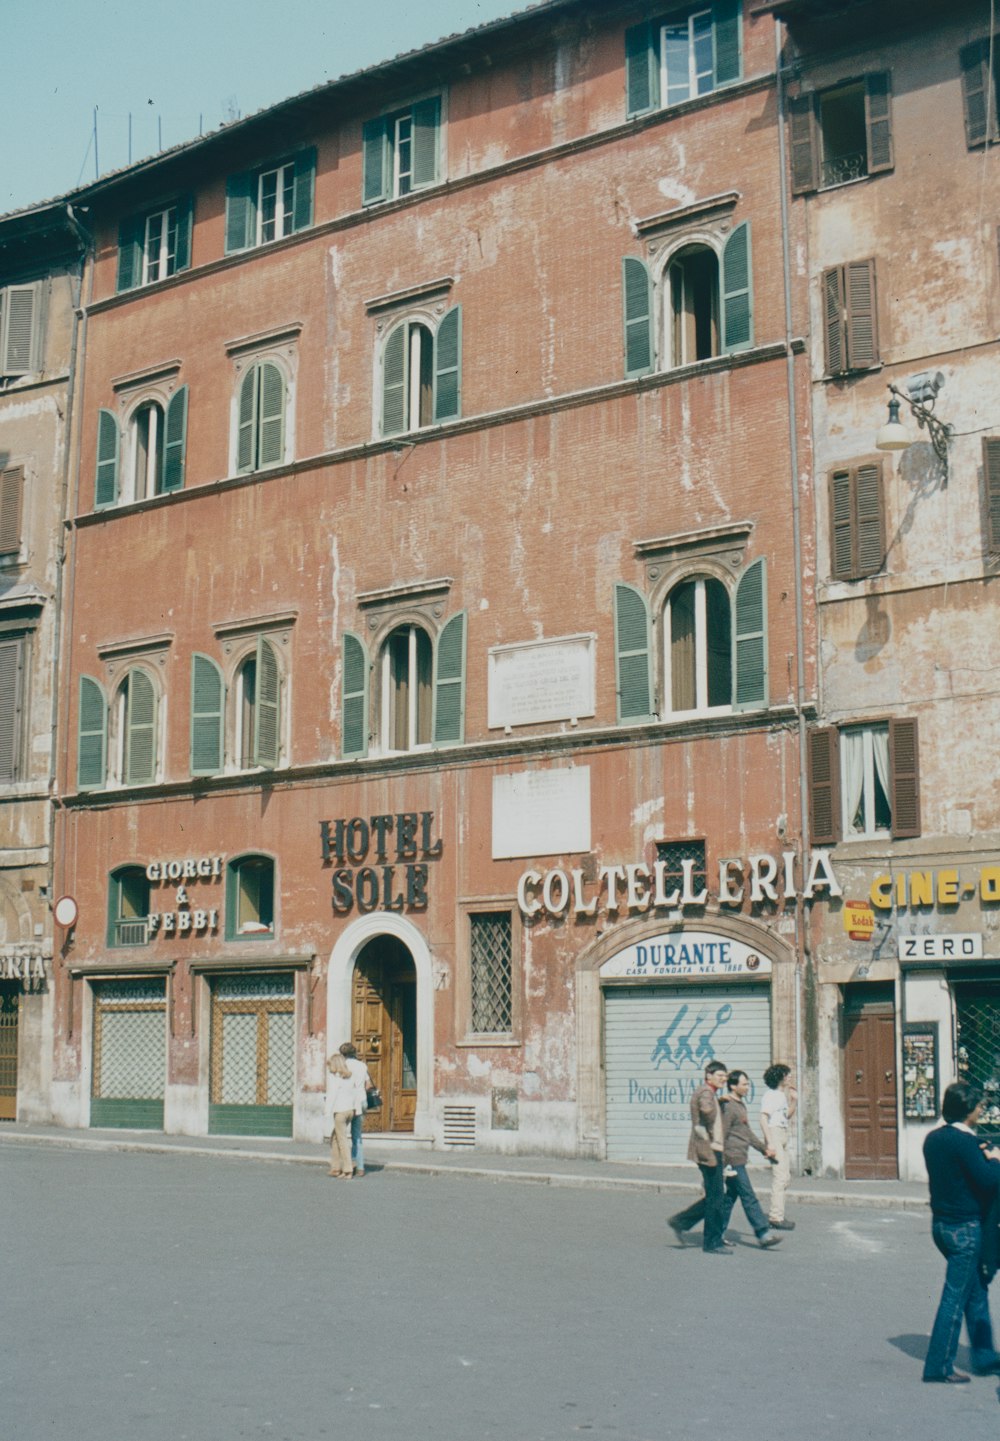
pixel 373 1098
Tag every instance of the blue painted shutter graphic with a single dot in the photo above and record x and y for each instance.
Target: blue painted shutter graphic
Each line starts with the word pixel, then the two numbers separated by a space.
pixel 449 683
pixel 394 382
pixel 303 188
pixel 241 208
pixel 726 41
pixel 175 440
pixel 426 130
pixel 207 715
pixel 642 69
pixel 106 480
pixel 92 735
pixel 750 639
pixel 354 718
pixel 266 733
pixel 637 293
pixel 140 729
pixel 737 291
pixel 632 654
pixel 375 161
pixel 130 237
pixel 448 367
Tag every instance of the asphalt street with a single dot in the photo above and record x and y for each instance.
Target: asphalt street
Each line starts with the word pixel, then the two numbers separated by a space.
pixel 180 1298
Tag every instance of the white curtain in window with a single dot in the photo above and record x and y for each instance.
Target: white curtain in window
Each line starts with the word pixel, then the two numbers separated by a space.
pixel 880 746
pixel 852 769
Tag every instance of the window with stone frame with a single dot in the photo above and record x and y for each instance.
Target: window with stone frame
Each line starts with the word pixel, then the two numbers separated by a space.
pixel 491 1008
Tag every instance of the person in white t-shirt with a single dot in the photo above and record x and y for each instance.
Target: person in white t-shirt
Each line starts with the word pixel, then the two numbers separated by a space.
pixel 777 1108
pixel 341 1099
pixel 362 1085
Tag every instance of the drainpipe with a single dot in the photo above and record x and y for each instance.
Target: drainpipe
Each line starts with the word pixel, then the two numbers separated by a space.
pixel 807 978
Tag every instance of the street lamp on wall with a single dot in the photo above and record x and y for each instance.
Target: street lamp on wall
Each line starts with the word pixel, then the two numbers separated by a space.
pixel 920 395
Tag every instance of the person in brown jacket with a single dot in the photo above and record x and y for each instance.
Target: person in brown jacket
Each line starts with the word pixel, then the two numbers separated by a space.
pixel 737 1138
pixel 705 1149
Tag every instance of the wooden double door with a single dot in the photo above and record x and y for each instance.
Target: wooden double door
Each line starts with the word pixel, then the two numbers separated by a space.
pixel 384 1030
pixel 870 1085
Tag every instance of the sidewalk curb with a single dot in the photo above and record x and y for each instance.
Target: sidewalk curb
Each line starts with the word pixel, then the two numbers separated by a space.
pixel 839 1199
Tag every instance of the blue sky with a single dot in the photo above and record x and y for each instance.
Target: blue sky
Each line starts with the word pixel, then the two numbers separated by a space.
pixel 178 65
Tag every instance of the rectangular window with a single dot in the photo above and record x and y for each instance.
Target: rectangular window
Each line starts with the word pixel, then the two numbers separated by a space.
pixel 980 64
pixel 491 973
pixel 841 134
pixel 864 781
pixel 690 52
pixel 13 657
pixel 673 854
pixel 20 329
pixel 154 244
pixel 850 317
pixel 160 247
pixel 275 203
pixel 687 59
pixel 401 151
pixel 270 202
pixel 857 521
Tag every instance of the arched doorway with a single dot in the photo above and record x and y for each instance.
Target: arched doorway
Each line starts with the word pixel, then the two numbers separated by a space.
pixel 384 1029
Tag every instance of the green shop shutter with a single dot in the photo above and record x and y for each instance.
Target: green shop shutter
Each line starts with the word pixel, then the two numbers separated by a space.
pixel 449 683
pixel 632 654
pixel 394 382
pixel 642 69
pixel 750 639
pixel 92 735
pixel 130 238
pixel 265 717
pixel 637 294
pixel 737 291
pixel 106 480
pixel 140 724
pixel 354 719
pixel 271 426
pixel 375 161
pixel 878 121
pixel 726 29
pixel 207 715
pixel 246 432
pixel 904 769
pixel 185 221
pixel 448 367
pixel 241 208
pixel 304 182
pixel 426 132
pixel 175 440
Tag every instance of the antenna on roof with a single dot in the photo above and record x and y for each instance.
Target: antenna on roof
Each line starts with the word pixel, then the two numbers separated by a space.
pixel 97 168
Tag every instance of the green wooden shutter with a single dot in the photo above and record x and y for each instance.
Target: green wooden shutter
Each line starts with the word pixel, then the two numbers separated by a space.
pixel 241 197
pixel 642 69
pixel 991 486
pixel 304 183
pixel 878 121
pixel 271 423
pixel 354 705
pixel 246 429
pixel 11 492
pixel 106 480
pixel 980 110
pixel 750 639
pixel 175 440
pixel 394 369
pixel 185 221
pixel 842 525
pixel 11 690
pixel 637 306
pixel 861 314
pixel 426 140
pixel 802 146
pixel 869 512
pixel 266 729
pixel 131 233
pixel 140 729
pixel 20 341
pixel 824 786
pixel 632 654
pixel 449 683
pixel 726 28
pixel 737 291
pixel 834 325
pixel 375 161
pixel 207 716
pixel 92 735
pixel 448 367
pixel 905 772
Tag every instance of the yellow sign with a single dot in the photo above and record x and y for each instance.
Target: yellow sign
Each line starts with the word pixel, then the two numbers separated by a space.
pixel 859 920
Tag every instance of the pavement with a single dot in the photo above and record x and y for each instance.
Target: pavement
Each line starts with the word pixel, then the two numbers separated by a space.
pixel 409 1158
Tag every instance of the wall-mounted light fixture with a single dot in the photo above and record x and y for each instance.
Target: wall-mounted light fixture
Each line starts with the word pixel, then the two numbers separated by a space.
pixel 920 395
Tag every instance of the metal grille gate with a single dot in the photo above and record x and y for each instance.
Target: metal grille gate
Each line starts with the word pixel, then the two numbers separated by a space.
pixel 10 1004
pixel 977 1040
pixel 130 1054
pixel 253 1055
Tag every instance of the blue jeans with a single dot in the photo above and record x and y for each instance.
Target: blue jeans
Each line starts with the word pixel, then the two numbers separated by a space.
pixel 739 1187
pixel 963 1294
pixel 357 1145
pixel 707 1208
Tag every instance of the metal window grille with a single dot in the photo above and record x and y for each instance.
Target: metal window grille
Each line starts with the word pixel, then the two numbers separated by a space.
pixel 253 1041
pixel 977 1037
pixel 492 981
pixel 129 1040
pixel 673 854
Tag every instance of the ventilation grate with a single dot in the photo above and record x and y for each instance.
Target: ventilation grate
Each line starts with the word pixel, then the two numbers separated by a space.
pixel 460 1125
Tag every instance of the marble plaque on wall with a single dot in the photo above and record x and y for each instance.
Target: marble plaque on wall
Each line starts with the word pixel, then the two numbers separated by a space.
pixel 541 813
pixel 541 681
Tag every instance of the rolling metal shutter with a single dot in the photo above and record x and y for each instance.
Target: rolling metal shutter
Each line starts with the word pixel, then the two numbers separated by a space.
pixel 658 1040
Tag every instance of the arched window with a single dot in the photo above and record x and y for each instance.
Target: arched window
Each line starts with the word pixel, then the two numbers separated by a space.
pixel 407 694
pixel 151 446
pixel 421 373
pixel 699 646
pixel 128 907
pixel 260 421
pixel 415 684
pixel 135 718
pixel 692 298
pixel 250 898
pixel 258 707
pixel 146 442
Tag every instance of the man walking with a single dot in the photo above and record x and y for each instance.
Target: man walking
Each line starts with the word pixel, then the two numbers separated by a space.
pixel 705 1149
pixel 964 1179
pixel 737 1138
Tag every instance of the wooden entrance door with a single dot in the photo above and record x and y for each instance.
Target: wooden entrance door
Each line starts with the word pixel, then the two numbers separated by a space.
pixel 385 1030
pixel 10 1004
pixel 870 1090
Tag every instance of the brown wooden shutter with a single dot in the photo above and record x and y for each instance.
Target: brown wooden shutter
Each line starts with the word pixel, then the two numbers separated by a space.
pixel 861 317
pixel 904 770
pixel 991 486
pixel 980 111
pixel 824 786
pixel 11 489
pixel 869 519
pixel 803 150
pixel 841 526
pixel 833 321
pixel 878 121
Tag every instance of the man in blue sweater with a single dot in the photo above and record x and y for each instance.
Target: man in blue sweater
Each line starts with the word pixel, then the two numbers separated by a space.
pixel 964 1179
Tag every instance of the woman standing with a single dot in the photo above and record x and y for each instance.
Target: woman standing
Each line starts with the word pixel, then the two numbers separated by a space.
pixel 342 1097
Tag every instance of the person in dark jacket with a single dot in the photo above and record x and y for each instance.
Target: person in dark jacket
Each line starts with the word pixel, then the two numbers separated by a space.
pixel 964 1180
pixel 737 1138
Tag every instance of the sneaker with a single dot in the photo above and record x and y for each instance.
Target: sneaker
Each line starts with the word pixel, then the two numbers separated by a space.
pixel 781 1225
pixel 768 1240
pixel 360 1171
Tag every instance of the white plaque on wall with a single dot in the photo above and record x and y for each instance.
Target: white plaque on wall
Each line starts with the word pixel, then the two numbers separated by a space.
pixel 539 681
pixel 541 813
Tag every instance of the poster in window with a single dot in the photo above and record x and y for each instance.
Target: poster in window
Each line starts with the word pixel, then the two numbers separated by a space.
pixel 920 1078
